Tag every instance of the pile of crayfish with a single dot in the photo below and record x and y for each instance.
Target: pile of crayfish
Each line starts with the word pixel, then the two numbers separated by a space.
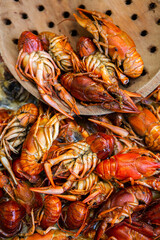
pixel 91 75
pixel 72 177
pixel 94 177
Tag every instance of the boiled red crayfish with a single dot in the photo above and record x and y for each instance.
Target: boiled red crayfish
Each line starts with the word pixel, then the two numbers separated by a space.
pixel 20 193
pixel 38 141
pixel 49 214
pixel 89 89
pixel 122 204
pixel 37 65
pixel 99 64
pixel 15 132
pixel 11 215
pixel 120 47
pixel 78 159
pixel 133 231
pixel 129 165
pixel 61 51
pixel 146 125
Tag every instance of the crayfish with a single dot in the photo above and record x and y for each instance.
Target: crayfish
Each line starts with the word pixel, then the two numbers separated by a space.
pixel 11 215
pixel 15 132
pixel 133 231
pixel 120 47
pixel 37 65
pixel 61 51
pixel 99 64
pixel 121 205
pixel 129 165
pixel 49 214
pixel 92 90
pixel 146 125
pixel 75 216
pixel 79 159
pixel 38 141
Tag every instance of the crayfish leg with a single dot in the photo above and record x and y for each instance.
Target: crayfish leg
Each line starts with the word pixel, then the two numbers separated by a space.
pixel 7 165
pixel 101 230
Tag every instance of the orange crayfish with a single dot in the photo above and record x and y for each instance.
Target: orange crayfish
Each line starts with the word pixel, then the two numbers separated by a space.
pixel 61 51
pixel 37 143
pixel 79 159
pixel 49 214
pixel 37 65
pixel 129 165
pixel 98 64
pixel 14 133
pixel 120 47
pixel 146 125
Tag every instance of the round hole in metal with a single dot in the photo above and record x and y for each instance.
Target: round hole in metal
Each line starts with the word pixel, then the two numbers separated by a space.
pixel 24 15
pixel 66 14
pixel 109 12
pixel 81 6
pixel 7 21
pixel 41 8
pixel 153 49
pixel 51 24
pixel 15 41
pixel 134 16
pixel 144 33
pixel 73 33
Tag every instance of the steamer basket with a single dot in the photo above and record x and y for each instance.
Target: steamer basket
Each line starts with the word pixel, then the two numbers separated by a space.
pixel 140 19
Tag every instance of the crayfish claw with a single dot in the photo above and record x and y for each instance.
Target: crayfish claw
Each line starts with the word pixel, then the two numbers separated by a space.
pixel 125 104
pixel 48 190
pixel 87 23
pixel 49 100
pixel 95 14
